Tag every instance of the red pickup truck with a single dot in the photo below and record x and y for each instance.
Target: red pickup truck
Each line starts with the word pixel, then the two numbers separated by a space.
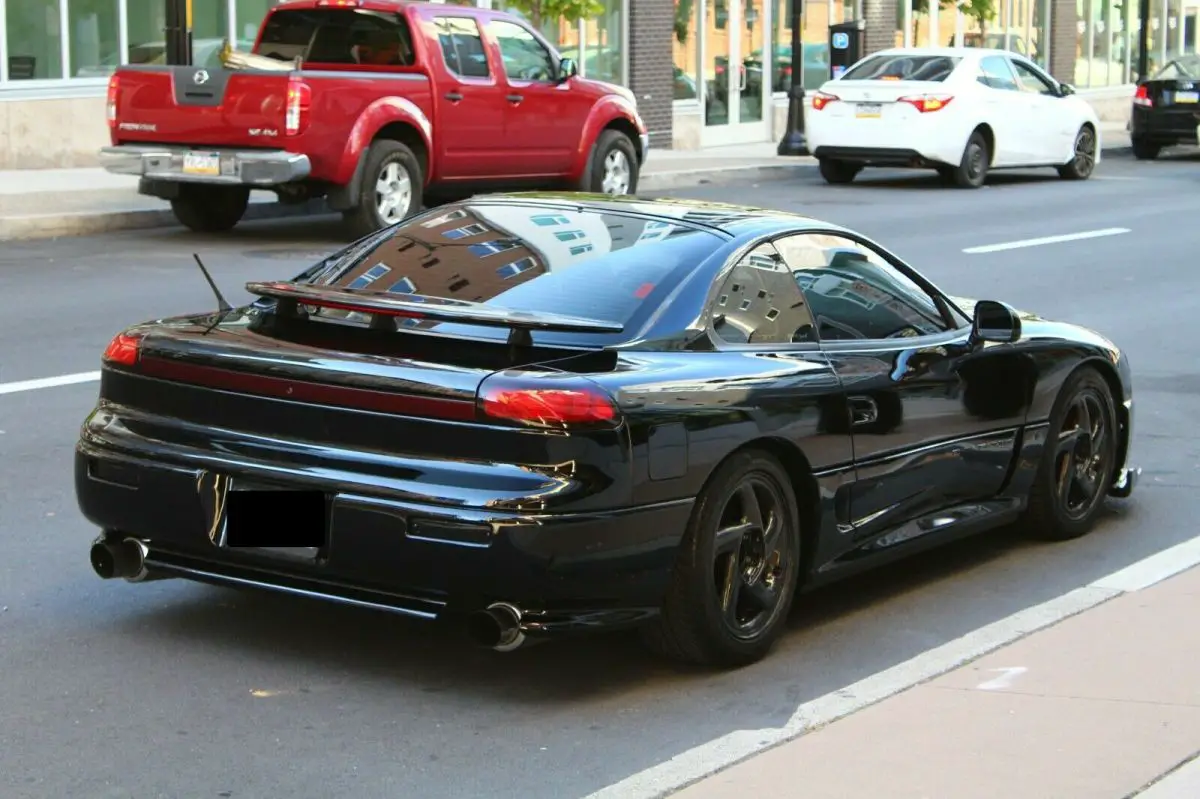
pixel 379 106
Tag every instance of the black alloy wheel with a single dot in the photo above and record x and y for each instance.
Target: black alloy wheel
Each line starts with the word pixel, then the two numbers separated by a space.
pixel 1083 162
pixel 972 171
pixel 1079 459
pixel 737 568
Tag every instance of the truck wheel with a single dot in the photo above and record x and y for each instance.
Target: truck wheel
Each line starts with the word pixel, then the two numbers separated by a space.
pixel 613 167
pixel 210 209
pixel 391 188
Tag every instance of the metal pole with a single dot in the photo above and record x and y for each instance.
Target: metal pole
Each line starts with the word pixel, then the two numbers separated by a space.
pixel 793 141
pixel 1143 65
pixel 179 32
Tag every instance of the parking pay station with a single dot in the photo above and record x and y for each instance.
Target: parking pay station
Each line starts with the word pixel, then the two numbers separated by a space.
pixel 846 40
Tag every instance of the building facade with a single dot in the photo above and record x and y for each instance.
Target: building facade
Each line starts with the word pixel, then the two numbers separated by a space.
pixel 706 72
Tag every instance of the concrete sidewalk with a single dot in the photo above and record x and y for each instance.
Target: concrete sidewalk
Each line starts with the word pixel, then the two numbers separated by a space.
pixel 44 203
pixel 1103 705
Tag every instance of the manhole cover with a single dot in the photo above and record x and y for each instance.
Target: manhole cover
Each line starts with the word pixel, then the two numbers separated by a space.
pixel 289 254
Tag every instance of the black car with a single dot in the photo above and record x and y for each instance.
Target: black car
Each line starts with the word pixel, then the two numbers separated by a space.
pixel 1166 108
pixel 551 413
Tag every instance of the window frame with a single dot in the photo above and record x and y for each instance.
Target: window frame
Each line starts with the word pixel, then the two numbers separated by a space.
pixel 1039 74
pixel 982 78
pixel 437 17
pixel 958 322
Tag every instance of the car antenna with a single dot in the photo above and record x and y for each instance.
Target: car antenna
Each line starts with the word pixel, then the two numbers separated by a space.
pixel 221 303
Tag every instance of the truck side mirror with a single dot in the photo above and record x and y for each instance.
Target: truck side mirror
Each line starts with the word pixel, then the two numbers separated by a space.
pixel 567 69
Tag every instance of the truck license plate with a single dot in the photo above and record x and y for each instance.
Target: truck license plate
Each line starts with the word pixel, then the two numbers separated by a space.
pixel 1187 97
pixel 868 110
pixel 202 164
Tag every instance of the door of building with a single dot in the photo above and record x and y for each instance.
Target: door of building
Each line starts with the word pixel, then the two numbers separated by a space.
pixel 738 73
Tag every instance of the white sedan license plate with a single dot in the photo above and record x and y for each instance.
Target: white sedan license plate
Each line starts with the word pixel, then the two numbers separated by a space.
pixel 202 164
pixel 868 110
pixel 1187 97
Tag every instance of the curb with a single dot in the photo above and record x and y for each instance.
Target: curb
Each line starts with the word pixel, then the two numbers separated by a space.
pixel 685 178
pixel 84 223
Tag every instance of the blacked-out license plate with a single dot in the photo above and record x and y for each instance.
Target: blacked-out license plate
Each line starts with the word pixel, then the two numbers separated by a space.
pixel 288 523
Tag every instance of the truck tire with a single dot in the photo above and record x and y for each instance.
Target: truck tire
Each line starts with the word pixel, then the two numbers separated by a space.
pixel 391 188
pixel 613 167
pixel 210 209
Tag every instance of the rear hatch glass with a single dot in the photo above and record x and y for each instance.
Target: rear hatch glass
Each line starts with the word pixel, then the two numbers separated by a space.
pixel 593 264
pixel 1187 68
pixel 935 68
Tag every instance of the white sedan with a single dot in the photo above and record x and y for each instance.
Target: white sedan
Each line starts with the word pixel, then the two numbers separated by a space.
pixel 960 110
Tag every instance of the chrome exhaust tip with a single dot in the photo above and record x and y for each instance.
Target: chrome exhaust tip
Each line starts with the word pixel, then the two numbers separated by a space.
pixel 498 627
pixel 125 559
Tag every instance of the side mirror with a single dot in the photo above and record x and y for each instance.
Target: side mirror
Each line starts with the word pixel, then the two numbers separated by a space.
pixel 1066 89
pixel 567 69
pixel 995 321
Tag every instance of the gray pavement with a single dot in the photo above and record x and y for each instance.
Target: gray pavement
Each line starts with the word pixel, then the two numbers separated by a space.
pixel 114 690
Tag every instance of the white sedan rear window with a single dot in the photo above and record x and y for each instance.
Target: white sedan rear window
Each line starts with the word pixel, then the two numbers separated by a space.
pixel 904 67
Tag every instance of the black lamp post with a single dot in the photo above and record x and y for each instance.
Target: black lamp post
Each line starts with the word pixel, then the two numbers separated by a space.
pixel 793 141
pixel 1143 61
pixel 179 32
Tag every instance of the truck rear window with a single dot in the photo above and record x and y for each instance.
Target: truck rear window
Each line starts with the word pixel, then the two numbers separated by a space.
pixel 903 67
pixel 613 267
pixel 350 36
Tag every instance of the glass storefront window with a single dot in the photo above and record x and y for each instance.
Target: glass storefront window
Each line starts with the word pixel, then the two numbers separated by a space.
pixel 603 57
pixel 685 48
pixel 247 17
pixel 816 18
pixel 33 33
pixel 94 35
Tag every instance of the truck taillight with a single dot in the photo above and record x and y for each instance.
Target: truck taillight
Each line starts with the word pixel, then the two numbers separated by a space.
pixel 299 98
pixel 111 109
pixel 339 3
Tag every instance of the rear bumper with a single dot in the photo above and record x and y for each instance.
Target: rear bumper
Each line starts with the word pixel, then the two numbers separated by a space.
pixel 165 163
pixel 879 156
pixel 1164 126
pixel 568 571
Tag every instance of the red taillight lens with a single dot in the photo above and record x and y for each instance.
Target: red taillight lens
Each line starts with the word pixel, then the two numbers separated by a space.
pixel 1142 97
pixel 928 102
pixel 554 402
pixel 299 99
pixel 124 349
pixel 339 3
pixel 111 106
pixel 822 99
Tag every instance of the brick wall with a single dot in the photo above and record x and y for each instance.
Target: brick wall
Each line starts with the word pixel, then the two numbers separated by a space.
pixel 880 16
pixel 1063 21
pixel 651 76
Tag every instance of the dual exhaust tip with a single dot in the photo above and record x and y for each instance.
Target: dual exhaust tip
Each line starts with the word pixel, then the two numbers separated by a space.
pixel 497 627
pixel 125 559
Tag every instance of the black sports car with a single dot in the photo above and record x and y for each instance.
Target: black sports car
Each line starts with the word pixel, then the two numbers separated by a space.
pixel 552 413
pixel 1166 108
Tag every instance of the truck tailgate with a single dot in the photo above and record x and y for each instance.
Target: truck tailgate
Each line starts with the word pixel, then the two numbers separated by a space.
pixel 191 105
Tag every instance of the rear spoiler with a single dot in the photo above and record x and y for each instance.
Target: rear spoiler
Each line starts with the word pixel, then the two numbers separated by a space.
pixel 385 309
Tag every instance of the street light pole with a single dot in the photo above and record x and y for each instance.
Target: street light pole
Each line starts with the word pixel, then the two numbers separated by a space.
pixel 793 141
pixel 1143 61
pixel 179 32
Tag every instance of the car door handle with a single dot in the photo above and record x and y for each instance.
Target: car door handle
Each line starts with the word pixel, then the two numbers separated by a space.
pixel 515 98
pixel 454 97
pixel 863 410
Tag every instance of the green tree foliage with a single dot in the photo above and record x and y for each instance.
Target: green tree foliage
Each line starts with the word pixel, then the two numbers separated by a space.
pixel 981 11
pixel 541 11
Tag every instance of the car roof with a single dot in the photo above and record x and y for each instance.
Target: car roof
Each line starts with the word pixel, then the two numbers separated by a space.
pixel 952 52
pixel 735 221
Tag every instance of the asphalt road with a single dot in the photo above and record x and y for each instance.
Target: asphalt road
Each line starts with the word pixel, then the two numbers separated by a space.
pixel 174 689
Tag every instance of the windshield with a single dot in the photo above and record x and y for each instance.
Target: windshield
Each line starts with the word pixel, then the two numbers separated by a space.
pixel 1187 67
pixel 604 265
pixel 903 67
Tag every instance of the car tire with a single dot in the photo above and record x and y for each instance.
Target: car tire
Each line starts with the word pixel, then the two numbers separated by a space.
pixel 838 173
pixel 1083 160
pixel 1144 150
pixel 210 209
pixel 972 171
pixel 726 547
pixel 392 188
pixel 613 166
pixel 1066 501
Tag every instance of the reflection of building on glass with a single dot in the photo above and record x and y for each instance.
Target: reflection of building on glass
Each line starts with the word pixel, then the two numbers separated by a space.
pixel 761 304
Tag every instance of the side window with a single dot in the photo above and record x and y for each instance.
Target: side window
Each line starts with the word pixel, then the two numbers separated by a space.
pixel 760 303
pixel 995 72
pixel 854 293
pixel 525 58
pixel 1032 81
pixel 462 47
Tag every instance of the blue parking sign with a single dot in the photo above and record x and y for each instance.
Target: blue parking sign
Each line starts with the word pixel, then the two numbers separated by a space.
pixel 841 41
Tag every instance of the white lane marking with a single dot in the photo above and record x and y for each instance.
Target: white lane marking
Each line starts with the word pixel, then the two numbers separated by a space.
pixel 1016 245
pixel 48 382
pixel 702 761
pixel 1004 680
